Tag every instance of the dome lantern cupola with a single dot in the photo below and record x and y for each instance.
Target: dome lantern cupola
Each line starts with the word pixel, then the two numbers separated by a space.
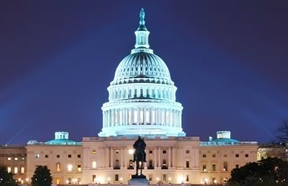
pixel 142 34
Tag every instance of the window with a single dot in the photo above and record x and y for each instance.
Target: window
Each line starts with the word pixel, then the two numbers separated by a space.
pixel 214 180
pixel 150 152
pixel 187 164
pixel 237 166
pixel 69 156
pixel 9 158
pixel 204 155
pixel 213 155
pixel 9 169
pixel 187 151
pixel 79 155
pixel 187 177
pixel 164 162
pixel 116 177
pixel 46 156
pixel 150 163
pixel 94 178
pixel 150 177
pixel 93 151
pixel 58 156
pixel 164 151
pixel 16 158
pixel 79 168
pixel 94 164
pixel 213 167
pixel 225 155
pixel 225 166
pixel 237 155
pixel 117 151
pixel 15 170
pixel 246 155
pixel 164 177
pixel 204 168
pixel 37 155
pixel 22 158
pixel 58 167
pixel 69 167
pixel 22 170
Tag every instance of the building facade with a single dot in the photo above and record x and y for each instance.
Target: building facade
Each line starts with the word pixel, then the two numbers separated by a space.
pixel 14 158
pixel 142 102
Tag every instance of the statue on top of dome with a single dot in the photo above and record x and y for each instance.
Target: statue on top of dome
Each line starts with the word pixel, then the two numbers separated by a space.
pixel 142 20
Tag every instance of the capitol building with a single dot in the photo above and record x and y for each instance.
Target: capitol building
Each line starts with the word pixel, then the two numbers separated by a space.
pixel 142 102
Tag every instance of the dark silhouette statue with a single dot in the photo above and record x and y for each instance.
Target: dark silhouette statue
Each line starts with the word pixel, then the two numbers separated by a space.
pixel 139 156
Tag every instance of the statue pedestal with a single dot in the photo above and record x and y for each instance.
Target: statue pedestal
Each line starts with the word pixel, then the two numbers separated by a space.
pixel 138 181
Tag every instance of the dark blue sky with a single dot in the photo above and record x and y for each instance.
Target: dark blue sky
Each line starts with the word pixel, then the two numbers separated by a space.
pixel 229 60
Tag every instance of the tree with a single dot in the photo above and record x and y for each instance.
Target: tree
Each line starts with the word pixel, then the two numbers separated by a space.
pixel 267 172
pixel 282 139
pixel 42 177
pixel 6 178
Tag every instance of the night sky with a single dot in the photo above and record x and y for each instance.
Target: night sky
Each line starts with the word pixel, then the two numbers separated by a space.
pixel 229 60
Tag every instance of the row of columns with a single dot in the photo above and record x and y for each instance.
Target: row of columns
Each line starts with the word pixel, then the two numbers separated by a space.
pixel 157 160
pixel 141 116
pixel 158 93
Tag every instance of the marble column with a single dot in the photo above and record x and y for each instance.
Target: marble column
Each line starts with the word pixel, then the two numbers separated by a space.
pixel 169 158
pixel 151 116
pixel 107 157
pixel 144 116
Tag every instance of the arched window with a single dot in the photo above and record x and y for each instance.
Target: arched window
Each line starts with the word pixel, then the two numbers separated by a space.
pixel 164 162
pixel 225 166
pixel 150 163
pixel 58 167
pixel 94 164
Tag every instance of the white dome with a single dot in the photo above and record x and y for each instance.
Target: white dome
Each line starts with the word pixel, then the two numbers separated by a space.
pixel 142 67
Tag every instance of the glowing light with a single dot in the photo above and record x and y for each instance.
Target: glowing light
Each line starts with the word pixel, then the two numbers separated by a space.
pixel 69 167
pixel 131 151
pixel 94 164
pixel 205 180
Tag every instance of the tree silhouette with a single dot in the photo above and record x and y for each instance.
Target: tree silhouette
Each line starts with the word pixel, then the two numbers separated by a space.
pixel 267 172
pixel 6 178
pixel 42 177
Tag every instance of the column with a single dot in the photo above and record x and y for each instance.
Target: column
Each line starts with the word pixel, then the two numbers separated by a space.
pixel 111 157
pixel 124 157
pixel 112 117
pixel 144 116
pixel 156 116
pixel 159 157
pixel 125 116
pixel 174 157
pixel 169 158
pixel 118 117
pixel 174 118
pixel 151 116
pixel 155 159
pixel 121 158
pixel 130 116
pixel 107 157
pixel 138 116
